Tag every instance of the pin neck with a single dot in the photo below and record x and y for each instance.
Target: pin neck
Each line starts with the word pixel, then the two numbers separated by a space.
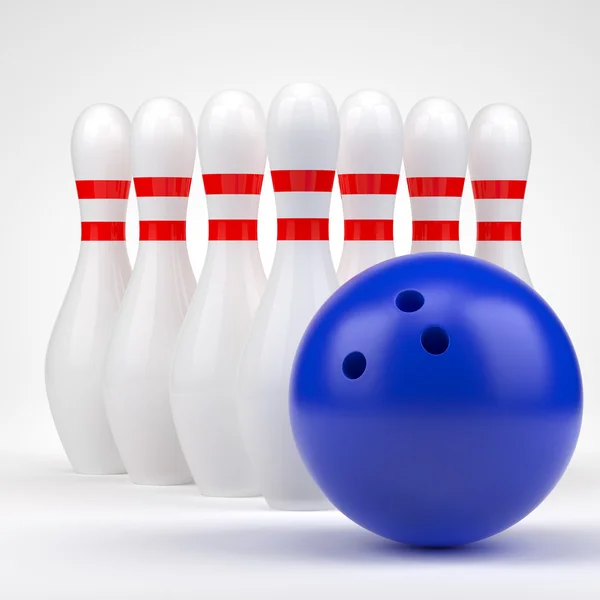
pixel 162 231
pixel 435 231
pixel 448 187
pixel 99 189
pixel 302 180
pixel 162 186
pixel 302 199
pixel 168 252
pixel 498 206
pixel 103 208
pixel 368 203
pixel 499 231
pixel 232 203
pixel 309 256
pixel 435 206
pixel 102 253
pixel 491 189
pixel 302 229
pixel 246 184
pixel 240 252
pixel 232 230
pixel 162 203
pixel 368 183
pixel 368 230
pixel 102 231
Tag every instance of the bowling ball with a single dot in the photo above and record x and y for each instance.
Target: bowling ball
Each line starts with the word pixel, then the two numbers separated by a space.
pixel 436 399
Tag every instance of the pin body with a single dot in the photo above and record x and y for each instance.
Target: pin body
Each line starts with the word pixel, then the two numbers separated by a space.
pixel 302 145
pixel 136 374
pixel 232 150
pixel 499 158
pixel 435 161
pixel 370 158
pixel 102 168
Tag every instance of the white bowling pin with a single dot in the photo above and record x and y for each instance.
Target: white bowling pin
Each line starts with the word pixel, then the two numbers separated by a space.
pixel 368 170
pixel 232 151
pixel 499 157
pixel 102 168
pixel 136 372
pixel 436 141
pixel 302 145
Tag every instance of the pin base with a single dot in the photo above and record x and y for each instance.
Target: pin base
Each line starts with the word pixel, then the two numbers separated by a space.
pixel 100 472
pixel 230 493
pixel 300 505
pixel 161 482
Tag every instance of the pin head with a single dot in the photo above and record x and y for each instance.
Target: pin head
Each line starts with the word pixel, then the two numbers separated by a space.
pixel 499 144
pixel 435 140
pixel 232 134
pixel 100 144
pixel 371 137
pixel 303 130
pixel 163 139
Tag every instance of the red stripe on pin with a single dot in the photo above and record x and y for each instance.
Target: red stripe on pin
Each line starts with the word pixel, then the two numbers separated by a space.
pixel 369 183
pixel 162 186
pixel 368 230
pixel 88 189
pixel 303 181
pixel 230 230
pixel 501 189
pixel 451 187
pixel 162 231
pixel 232 183
pixel 499 231
pixel 435 231
pixel 102 231
pixel 302 229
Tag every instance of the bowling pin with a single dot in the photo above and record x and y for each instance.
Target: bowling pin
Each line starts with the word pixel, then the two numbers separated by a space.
pixel 232 151
pixel 368 170
pixel 138 359
pixel 499 157
pixel 302 146
pixel 102 168
pixel 436 141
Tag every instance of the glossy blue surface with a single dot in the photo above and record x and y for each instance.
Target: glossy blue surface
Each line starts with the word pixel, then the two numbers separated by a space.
pixel 436 399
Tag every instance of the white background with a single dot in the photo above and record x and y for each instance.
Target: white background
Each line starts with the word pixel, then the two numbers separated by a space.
pixel 64 536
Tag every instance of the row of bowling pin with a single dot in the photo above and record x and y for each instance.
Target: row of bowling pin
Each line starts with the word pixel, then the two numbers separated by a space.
pixel 138 381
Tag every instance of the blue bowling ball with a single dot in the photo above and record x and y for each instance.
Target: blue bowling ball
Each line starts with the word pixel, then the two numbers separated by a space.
pixel 436 399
